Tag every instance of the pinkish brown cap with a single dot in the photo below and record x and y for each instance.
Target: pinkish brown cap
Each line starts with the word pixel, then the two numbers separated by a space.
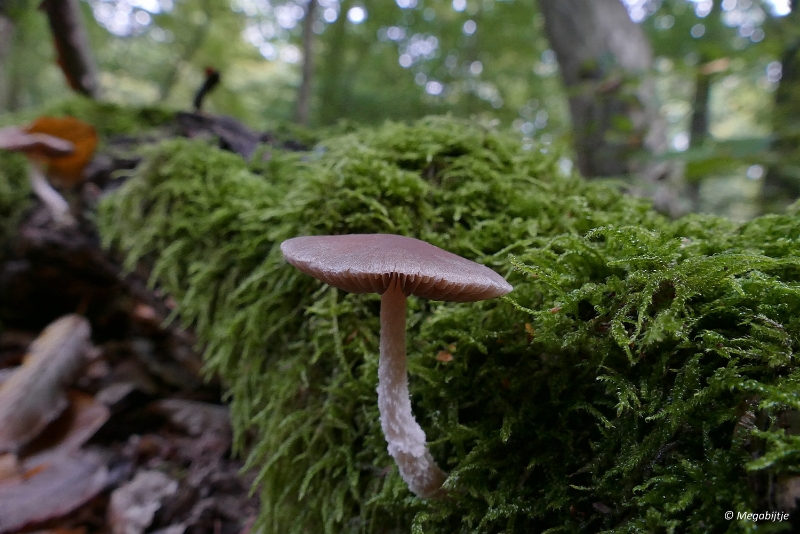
pixel 367 263
pixel 16 139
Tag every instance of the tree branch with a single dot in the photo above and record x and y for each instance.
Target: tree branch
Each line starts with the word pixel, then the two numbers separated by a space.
pixel 72 45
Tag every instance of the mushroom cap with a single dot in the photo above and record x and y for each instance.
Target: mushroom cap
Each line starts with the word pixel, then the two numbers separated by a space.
pixel 369 263
pixel 16 139
pixel 67 169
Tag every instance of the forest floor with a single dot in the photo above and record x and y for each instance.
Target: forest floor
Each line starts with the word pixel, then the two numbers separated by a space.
pixel 107 423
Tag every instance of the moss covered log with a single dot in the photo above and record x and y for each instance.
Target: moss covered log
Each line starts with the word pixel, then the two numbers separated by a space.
pixel 642 376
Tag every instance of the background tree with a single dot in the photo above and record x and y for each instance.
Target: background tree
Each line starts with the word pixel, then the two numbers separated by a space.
pixel 605 60
pixel 712 60
pixel 74 53
pixel 782 180
pixel 491 59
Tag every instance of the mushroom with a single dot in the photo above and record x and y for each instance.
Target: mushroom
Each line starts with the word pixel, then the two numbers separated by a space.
pixel 66 170
pixel 38 146
pixel 395 267
pixel 59 149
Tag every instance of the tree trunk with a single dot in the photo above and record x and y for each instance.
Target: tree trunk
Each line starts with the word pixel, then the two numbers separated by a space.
pixel 72 44
pixel 698 130
pixel 782 181
pixel 333 68
pixel 304 93
pixel 605 59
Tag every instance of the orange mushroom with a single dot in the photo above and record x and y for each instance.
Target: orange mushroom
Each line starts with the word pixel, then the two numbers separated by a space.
pixel 59 149
pixel 66 171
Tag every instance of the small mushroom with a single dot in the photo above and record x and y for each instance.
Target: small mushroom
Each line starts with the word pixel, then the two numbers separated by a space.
pixel 37 146
pixel 65 170
pixel 395 267
pixel 58 149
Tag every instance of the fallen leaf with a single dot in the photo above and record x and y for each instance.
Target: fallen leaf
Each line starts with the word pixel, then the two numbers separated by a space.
pixel 351 336
pixel 444 356
pixel 195 418
pixel 143 312
pixel 34 395
pixel 601 507
pixel 77 424
pixel 787 493
pixel 61 530
pixel 529 329
pixel 5 374
pixel 133 505
pixel 9 466
pixel 52 489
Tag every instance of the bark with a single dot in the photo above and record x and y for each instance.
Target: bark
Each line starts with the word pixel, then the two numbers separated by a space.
pixel 72 44
pixel 605 60
pixel 698 130
pixel 304 93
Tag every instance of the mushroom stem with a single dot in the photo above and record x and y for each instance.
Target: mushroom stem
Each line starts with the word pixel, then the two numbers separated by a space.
pixel 405 437
pixel 54 202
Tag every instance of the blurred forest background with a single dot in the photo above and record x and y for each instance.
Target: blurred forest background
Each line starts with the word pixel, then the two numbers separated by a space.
pixel 694 102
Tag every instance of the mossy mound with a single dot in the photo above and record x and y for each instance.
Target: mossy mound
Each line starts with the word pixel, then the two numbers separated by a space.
pixel 636 379
pixel 108 118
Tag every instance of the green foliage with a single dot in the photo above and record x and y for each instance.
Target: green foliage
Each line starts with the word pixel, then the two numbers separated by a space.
pixel 611 390
pixel 107 118
pixel 14 190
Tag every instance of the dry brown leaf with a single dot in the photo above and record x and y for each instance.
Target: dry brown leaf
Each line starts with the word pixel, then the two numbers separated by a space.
pixel 529 329
pixel 787 493
pixel 61 530
pixel 35 394
pixel 444 356
pixel 77 424
pixel 51 490
pixel 133 506
pixel 5 374
pixel 143 312
pixel 195 418
pixel 9 466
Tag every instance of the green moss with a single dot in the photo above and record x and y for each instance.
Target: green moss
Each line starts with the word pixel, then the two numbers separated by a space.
pixel 611 390
pixel 106 117
pixel 14 191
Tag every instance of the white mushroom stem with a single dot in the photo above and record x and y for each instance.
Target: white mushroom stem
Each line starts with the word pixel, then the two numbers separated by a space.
pixel 51 198
pixel 405 437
